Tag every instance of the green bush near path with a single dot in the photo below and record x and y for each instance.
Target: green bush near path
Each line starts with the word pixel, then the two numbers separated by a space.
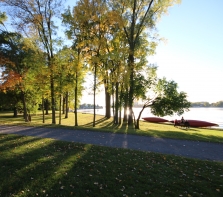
pixel 106 125
pixel 45 167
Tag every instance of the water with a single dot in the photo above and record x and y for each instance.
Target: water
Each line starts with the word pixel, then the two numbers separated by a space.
pixel 214 115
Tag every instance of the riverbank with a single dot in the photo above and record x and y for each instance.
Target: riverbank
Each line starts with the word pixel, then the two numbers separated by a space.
pixel 103 124
pixel 213 115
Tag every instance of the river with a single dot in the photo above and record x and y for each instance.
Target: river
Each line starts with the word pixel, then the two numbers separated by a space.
pixel 214 115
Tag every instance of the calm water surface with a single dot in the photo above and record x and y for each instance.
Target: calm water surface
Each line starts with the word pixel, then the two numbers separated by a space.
pixel 214 115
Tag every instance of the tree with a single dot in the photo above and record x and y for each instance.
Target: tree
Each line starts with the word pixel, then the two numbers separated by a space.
pixel 137 16
pixel 89 24
pixel 166 100
pixel 38 17
pixel 18 51
pixel 70 74
pixel 3 18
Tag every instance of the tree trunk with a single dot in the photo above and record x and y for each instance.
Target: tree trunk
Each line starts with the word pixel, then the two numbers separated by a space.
pixel 46 103
pixel 15 112
pixel 24 107
pixel 60 106
pixel 75 100
pixel 95 74
pixel 53 103
pixel 43 110
pixel 116 102
pixel 139 116
pixel 120 115
pixel 125 115
pixel 63 105
pixel 113 103
pixel 120 105
pixel 66 105
pixel 131 89
pixel 107 103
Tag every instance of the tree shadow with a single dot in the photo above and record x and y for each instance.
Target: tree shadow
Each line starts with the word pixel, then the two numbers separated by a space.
pixel 96 122
pixel 34 163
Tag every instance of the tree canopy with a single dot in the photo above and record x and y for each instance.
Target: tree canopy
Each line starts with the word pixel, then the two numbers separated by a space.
pixel 110 39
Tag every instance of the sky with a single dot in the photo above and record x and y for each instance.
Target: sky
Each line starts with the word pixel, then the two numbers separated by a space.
pixel 192 55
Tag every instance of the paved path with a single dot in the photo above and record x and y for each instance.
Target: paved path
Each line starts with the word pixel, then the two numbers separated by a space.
pixel 186 148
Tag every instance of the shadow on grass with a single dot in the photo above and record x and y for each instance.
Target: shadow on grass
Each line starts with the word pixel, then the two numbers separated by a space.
pixel 34 169
pixel 106 124
pixel 96 122
pixel 44 167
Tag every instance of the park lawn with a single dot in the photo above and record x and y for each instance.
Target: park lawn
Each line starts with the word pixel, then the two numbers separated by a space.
pixel 106 125
pixel 33 166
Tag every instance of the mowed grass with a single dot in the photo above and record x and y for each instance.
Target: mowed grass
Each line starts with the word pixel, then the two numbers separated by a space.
pixel 106 125
pixel 45 167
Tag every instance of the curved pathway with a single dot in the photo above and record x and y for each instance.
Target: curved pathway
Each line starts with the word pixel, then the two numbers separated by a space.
pixel 186 148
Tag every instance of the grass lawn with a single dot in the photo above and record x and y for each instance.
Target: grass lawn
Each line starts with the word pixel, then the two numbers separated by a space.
pixel 45 167
pixel 106 125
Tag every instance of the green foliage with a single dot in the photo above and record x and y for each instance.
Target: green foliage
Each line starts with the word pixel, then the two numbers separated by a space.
pixel 169 100
pixel 113 38
pixel 144 81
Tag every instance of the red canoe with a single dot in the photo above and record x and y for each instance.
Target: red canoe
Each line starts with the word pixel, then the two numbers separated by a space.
pixel 199 123
pixel 155 119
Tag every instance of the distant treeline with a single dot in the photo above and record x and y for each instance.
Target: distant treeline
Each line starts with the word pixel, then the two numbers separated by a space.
pixel 207 104
pixel 195 104
pixel 89 106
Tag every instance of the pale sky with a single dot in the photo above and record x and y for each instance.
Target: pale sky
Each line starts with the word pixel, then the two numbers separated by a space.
pixel 193 54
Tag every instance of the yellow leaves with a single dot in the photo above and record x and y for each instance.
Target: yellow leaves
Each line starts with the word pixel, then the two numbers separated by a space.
pixel 37 19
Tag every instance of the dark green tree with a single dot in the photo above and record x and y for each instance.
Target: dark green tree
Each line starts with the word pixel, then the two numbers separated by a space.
pixel 165 100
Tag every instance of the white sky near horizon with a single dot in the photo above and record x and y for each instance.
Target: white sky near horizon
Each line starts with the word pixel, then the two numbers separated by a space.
pixel 193 53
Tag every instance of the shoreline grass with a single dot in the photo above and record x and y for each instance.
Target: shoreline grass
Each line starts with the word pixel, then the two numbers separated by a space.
pixel 33 166
pixel 106 125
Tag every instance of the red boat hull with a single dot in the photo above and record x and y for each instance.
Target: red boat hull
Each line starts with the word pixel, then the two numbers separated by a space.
pixel 199 123
pixel 155 119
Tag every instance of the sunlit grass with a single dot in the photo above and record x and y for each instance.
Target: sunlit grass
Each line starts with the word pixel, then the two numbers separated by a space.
pixel 106 125
pixel 45 167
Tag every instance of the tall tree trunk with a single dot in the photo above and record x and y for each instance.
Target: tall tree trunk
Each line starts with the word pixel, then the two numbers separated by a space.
pixel 24 107
pixel 125 115
pixel 60 106
pixel 116 102
pixel 113 102
pixel 75 99
pixel 43 109
pixel 46 103
pixel 15 112
pixel 66 105
pixel 131 89
pixel 107 102
pixel 139 116
pixel 63 105
pixel 120 105
pixel 53 103
pixel 95 74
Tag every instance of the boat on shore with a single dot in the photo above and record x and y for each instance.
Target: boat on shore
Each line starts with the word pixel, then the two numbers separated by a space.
pixel 155 119
pixel 199 123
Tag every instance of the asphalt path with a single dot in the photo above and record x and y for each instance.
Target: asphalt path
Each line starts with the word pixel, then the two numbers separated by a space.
pixel 185 148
